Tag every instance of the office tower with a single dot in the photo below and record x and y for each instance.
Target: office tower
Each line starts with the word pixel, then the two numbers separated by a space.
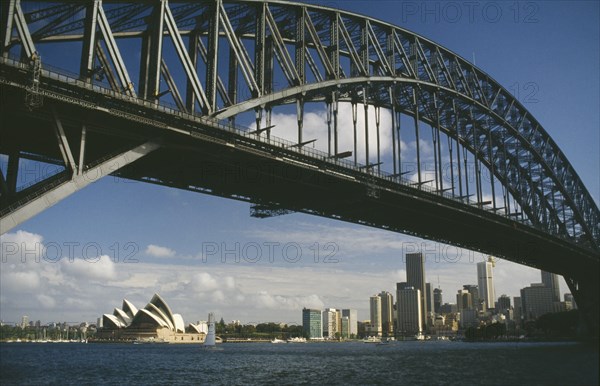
pixel 352 320
pixel 24 321
pixel 517 310
pixel 345 325
pixel 387 313
pixel 485 281
pixel 312 323
pixel 503 303
pixel 536 300
pixel 330 322
pixel 409 301
pixel 415 277
pixel 429 296
pixel 375 307
pixel 464 300
pixel 437 300
pixel 476 302
pixel 550 280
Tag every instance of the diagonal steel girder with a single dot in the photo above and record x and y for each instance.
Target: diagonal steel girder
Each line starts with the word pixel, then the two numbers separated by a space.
pixel 46 199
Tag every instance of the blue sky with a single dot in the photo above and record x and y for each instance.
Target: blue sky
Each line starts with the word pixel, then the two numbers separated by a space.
pixel 547 53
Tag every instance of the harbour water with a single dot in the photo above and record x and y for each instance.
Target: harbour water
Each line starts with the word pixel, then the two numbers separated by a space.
pixel 401 363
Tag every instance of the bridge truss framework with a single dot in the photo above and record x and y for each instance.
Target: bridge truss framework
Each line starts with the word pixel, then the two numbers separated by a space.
pixel 222 60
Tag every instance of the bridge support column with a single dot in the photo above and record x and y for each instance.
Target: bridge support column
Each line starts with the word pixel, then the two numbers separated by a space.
pixel 585 291
pixel 50 195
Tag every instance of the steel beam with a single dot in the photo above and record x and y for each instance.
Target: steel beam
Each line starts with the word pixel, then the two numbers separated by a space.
pixel 38 203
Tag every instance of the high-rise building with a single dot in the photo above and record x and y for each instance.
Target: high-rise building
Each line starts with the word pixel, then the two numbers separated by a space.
pixel 485 282
pixel 352 320
pixel 464 300
pixel 415 277
pixel 375 308
pixel 24 321
pixel 517 309
pixel 550 280
pixel 429 296
pixel 330 322
pixel 312 323
pixel 409 302
pixel 503 303
pixel 437 300
pixel 387 313
pixel 345 324
pixel 476 301
pixel 536 301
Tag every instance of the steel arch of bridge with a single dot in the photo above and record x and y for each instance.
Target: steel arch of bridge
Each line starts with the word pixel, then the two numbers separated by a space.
pixel 281 53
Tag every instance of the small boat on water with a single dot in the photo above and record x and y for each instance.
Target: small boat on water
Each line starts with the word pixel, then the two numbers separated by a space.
pixel 275 341
pixel 297 340
pixel 372 339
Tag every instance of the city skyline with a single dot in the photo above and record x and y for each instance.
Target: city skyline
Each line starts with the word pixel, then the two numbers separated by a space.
pixel 168 240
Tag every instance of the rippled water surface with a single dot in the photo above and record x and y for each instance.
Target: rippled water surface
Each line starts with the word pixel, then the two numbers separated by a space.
pixel 404 363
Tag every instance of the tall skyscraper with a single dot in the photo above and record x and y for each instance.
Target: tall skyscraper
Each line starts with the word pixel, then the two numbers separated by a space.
pixel 485 281
pixel 409 310
pixel 550 280
pixel 375 307
pixel 437 300
pixel 415 277
pixel 387 313
pixel 352 320
pixel 312 323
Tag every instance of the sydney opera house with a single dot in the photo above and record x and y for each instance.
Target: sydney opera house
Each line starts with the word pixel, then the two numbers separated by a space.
pixel 153 323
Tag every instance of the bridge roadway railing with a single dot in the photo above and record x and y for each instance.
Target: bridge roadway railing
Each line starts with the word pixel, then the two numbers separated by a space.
pixel 60 92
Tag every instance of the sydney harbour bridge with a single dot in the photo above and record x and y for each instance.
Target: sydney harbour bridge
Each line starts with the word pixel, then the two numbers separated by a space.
pixel 158 91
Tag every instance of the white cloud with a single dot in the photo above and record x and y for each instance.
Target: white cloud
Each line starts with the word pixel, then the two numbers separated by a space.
pixel 315 127
pixel 21 246
pixel 158 251
pixel 100 269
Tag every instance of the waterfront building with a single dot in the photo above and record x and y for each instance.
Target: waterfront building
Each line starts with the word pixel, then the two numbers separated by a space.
pixel 375 311
pixel 312 323
pixel 352 316
pixel 387 313
pixel 415 277
pixel 331 326
pixel 485 282
pixel 409 302
pixel 550 280
pixel 345 331
pixel 154 323
pixel 437 300
pixel 536 300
